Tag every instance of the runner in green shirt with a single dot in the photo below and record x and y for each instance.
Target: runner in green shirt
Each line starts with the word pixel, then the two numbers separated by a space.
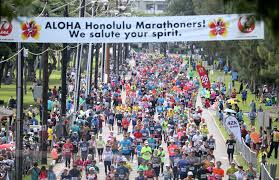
pixel 146 151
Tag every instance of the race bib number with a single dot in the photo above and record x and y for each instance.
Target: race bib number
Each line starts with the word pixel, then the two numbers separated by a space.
pixel 67 150
pixel 183 169
pixel 84 148
pixel 203 176
pixel 231 146
pixel 191 168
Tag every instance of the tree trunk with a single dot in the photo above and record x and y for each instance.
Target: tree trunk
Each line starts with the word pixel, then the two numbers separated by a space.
pixel 6 70
pixel 52 66
pixel 65 57
pixel 2 65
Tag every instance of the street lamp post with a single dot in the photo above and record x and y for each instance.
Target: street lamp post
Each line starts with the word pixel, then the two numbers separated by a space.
pixel 19 116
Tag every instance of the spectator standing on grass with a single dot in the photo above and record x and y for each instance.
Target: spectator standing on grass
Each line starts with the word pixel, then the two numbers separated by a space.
pixel 253 106
pixel 244 96
pixel 274 142
pixel 252 117
pixel 239 116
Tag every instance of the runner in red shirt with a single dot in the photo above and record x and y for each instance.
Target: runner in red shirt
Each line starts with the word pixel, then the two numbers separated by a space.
pixel 138 135
pixel 171 149
pixel 67 152
pixel 125 124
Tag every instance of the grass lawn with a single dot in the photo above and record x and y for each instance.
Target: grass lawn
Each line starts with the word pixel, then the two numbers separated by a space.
pixel 245 108
pixel 6 91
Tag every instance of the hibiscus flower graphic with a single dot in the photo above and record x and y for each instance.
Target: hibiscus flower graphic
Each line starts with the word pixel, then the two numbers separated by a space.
pixel 30 29
pixel 218 27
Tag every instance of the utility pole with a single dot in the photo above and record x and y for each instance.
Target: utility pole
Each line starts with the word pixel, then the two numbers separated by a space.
pixel 104 59
pixel 91 67
pixel 19 116
pixel 79 56
pixel 65 57
pixel 96 65
pixel 90 60
pixel 44 104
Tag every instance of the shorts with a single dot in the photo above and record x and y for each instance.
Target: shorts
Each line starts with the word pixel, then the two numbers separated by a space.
pixel 157 171
pixel 111 122
pixel 49 142
pixel 100 151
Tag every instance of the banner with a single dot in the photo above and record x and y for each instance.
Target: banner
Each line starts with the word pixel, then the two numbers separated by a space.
pixel 131 29
pixel 204 77
pixel 232 124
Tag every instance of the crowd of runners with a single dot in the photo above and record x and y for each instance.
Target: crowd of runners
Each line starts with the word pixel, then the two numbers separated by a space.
pixel 145 123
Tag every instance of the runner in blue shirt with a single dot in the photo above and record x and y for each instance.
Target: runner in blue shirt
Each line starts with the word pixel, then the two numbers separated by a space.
pixel 182 167
pixel 126 146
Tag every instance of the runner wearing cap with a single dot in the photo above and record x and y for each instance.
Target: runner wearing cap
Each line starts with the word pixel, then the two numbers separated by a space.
pixel 107 157
pixel 190 176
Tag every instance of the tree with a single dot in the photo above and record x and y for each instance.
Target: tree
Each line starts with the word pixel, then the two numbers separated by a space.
pixel 14 8
pixel 180 7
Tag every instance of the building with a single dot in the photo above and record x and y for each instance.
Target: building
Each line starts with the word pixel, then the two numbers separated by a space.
pixel 150 6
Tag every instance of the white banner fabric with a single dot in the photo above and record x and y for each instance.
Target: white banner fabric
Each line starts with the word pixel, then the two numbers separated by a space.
pixel 233 125
pixel 131 29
